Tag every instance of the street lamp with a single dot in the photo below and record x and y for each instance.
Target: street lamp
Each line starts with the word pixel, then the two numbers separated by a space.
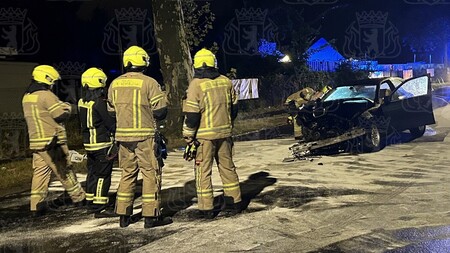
pixel 285 59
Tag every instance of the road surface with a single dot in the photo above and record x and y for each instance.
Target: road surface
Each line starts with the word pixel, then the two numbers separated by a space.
pixel 394 200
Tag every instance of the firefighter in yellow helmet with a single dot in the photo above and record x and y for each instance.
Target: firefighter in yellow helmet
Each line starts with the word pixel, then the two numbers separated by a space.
pixel 210 108
pixel 44 114
pixel 98 127
pixel 138 102
pixel 294 102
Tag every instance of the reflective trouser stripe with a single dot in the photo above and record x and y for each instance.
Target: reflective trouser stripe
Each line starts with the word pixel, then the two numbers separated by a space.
pixel 148 198
pixel 205 193
pixel 125 196
pixel 230 187
pixel 73 189
pixel 100 200
pixel 38 194
pixel 89 196
pixel 98 191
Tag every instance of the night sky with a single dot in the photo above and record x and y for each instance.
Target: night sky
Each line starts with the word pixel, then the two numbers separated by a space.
pixel 54 31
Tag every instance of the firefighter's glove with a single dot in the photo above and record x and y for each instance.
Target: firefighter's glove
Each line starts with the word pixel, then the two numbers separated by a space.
pixel 190 152
pixel 290 120
pixel 113 151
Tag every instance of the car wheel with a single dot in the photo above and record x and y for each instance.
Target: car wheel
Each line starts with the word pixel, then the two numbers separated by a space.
pixel 417 131
pixel 372 139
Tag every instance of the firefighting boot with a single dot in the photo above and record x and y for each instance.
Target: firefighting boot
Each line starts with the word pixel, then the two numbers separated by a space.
pixel 80 204
pixel 105 213
pixel 205 214
pixel 124 221
pixel 235 209
pixel 151 222
pixel 41 210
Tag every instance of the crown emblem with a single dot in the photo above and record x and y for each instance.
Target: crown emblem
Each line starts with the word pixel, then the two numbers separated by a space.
pixel 371 19
pixel 251 16
pixel 131 15
pixel 70 69
pixel 12 15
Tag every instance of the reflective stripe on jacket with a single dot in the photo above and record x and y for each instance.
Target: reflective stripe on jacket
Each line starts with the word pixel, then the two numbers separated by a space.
pixel 95 124
pixel 134 96
pixel 40 110
pixel 213 99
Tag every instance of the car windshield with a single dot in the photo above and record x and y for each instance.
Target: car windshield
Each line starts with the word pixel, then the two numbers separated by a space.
pixel 352 92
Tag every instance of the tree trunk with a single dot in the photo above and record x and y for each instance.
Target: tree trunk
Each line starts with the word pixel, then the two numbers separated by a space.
pixel 174 57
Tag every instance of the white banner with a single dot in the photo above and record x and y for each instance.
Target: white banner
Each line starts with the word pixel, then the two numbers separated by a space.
pixel 246 88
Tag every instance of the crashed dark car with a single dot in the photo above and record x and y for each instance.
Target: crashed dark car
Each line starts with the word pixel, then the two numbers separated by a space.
pixel 368 110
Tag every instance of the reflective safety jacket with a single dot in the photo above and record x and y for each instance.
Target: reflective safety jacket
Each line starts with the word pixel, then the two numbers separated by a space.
pixel 134 97
pixel 43 110
pixel 97 125
pixel 301 97
pixel 213 99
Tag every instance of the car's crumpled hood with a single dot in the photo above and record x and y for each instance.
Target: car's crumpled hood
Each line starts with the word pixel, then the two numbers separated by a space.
pixel 342 109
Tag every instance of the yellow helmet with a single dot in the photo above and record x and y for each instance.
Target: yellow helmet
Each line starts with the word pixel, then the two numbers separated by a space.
pixel 204 57
pixel 136 56
pixel 45 74
pixel 326 88
pixel 93 78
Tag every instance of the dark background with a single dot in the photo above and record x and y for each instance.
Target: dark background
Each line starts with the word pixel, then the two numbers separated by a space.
pixel 74 30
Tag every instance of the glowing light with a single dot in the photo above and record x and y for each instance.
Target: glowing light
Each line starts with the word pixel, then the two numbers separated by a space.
pixel 285 59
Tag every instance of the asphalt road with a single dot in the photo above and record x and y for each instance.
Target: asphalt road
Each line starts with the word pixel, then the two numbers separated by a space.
pixel 394 200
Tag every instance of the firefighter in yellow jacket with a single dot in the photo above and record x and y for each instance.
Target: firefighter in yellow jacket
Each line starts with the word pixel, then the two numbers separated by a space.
pixel 138 101
pixel 210 108
pixel 44 114
pixel 294 102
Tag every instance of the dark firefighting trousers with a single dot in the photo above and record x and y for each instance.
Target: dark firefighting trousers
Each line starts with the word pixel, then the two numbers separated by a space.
pixel 58 161
pixel 135 157
pixel 99 177
pixel 221 151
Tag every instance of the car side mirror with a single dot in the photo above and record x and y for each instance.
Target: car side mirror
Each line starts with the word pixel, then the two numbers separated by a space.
pixel 387 99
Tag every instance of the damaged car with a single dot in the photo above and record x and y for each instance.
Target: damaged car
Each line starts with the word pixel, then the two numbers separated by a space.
pixel 365 112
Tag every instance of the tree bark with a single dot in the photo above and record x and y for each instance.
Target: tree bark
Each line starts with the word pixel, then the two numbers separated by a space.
pixel 174 57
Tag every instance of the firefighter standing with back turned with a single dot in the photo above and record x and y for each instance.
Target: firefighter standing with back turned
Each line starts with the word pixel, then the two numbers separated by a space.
pixel 138 101
pixel 210 108
pixel 98 128
pixel 44 114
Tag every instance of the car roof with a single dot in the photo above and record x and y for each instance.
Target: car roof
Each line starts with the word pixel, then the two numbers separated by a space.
pixel 373 81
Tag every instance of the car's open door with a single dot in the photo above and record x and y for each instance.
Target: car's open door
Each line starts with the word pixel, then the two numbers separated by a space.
pixel 409 105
